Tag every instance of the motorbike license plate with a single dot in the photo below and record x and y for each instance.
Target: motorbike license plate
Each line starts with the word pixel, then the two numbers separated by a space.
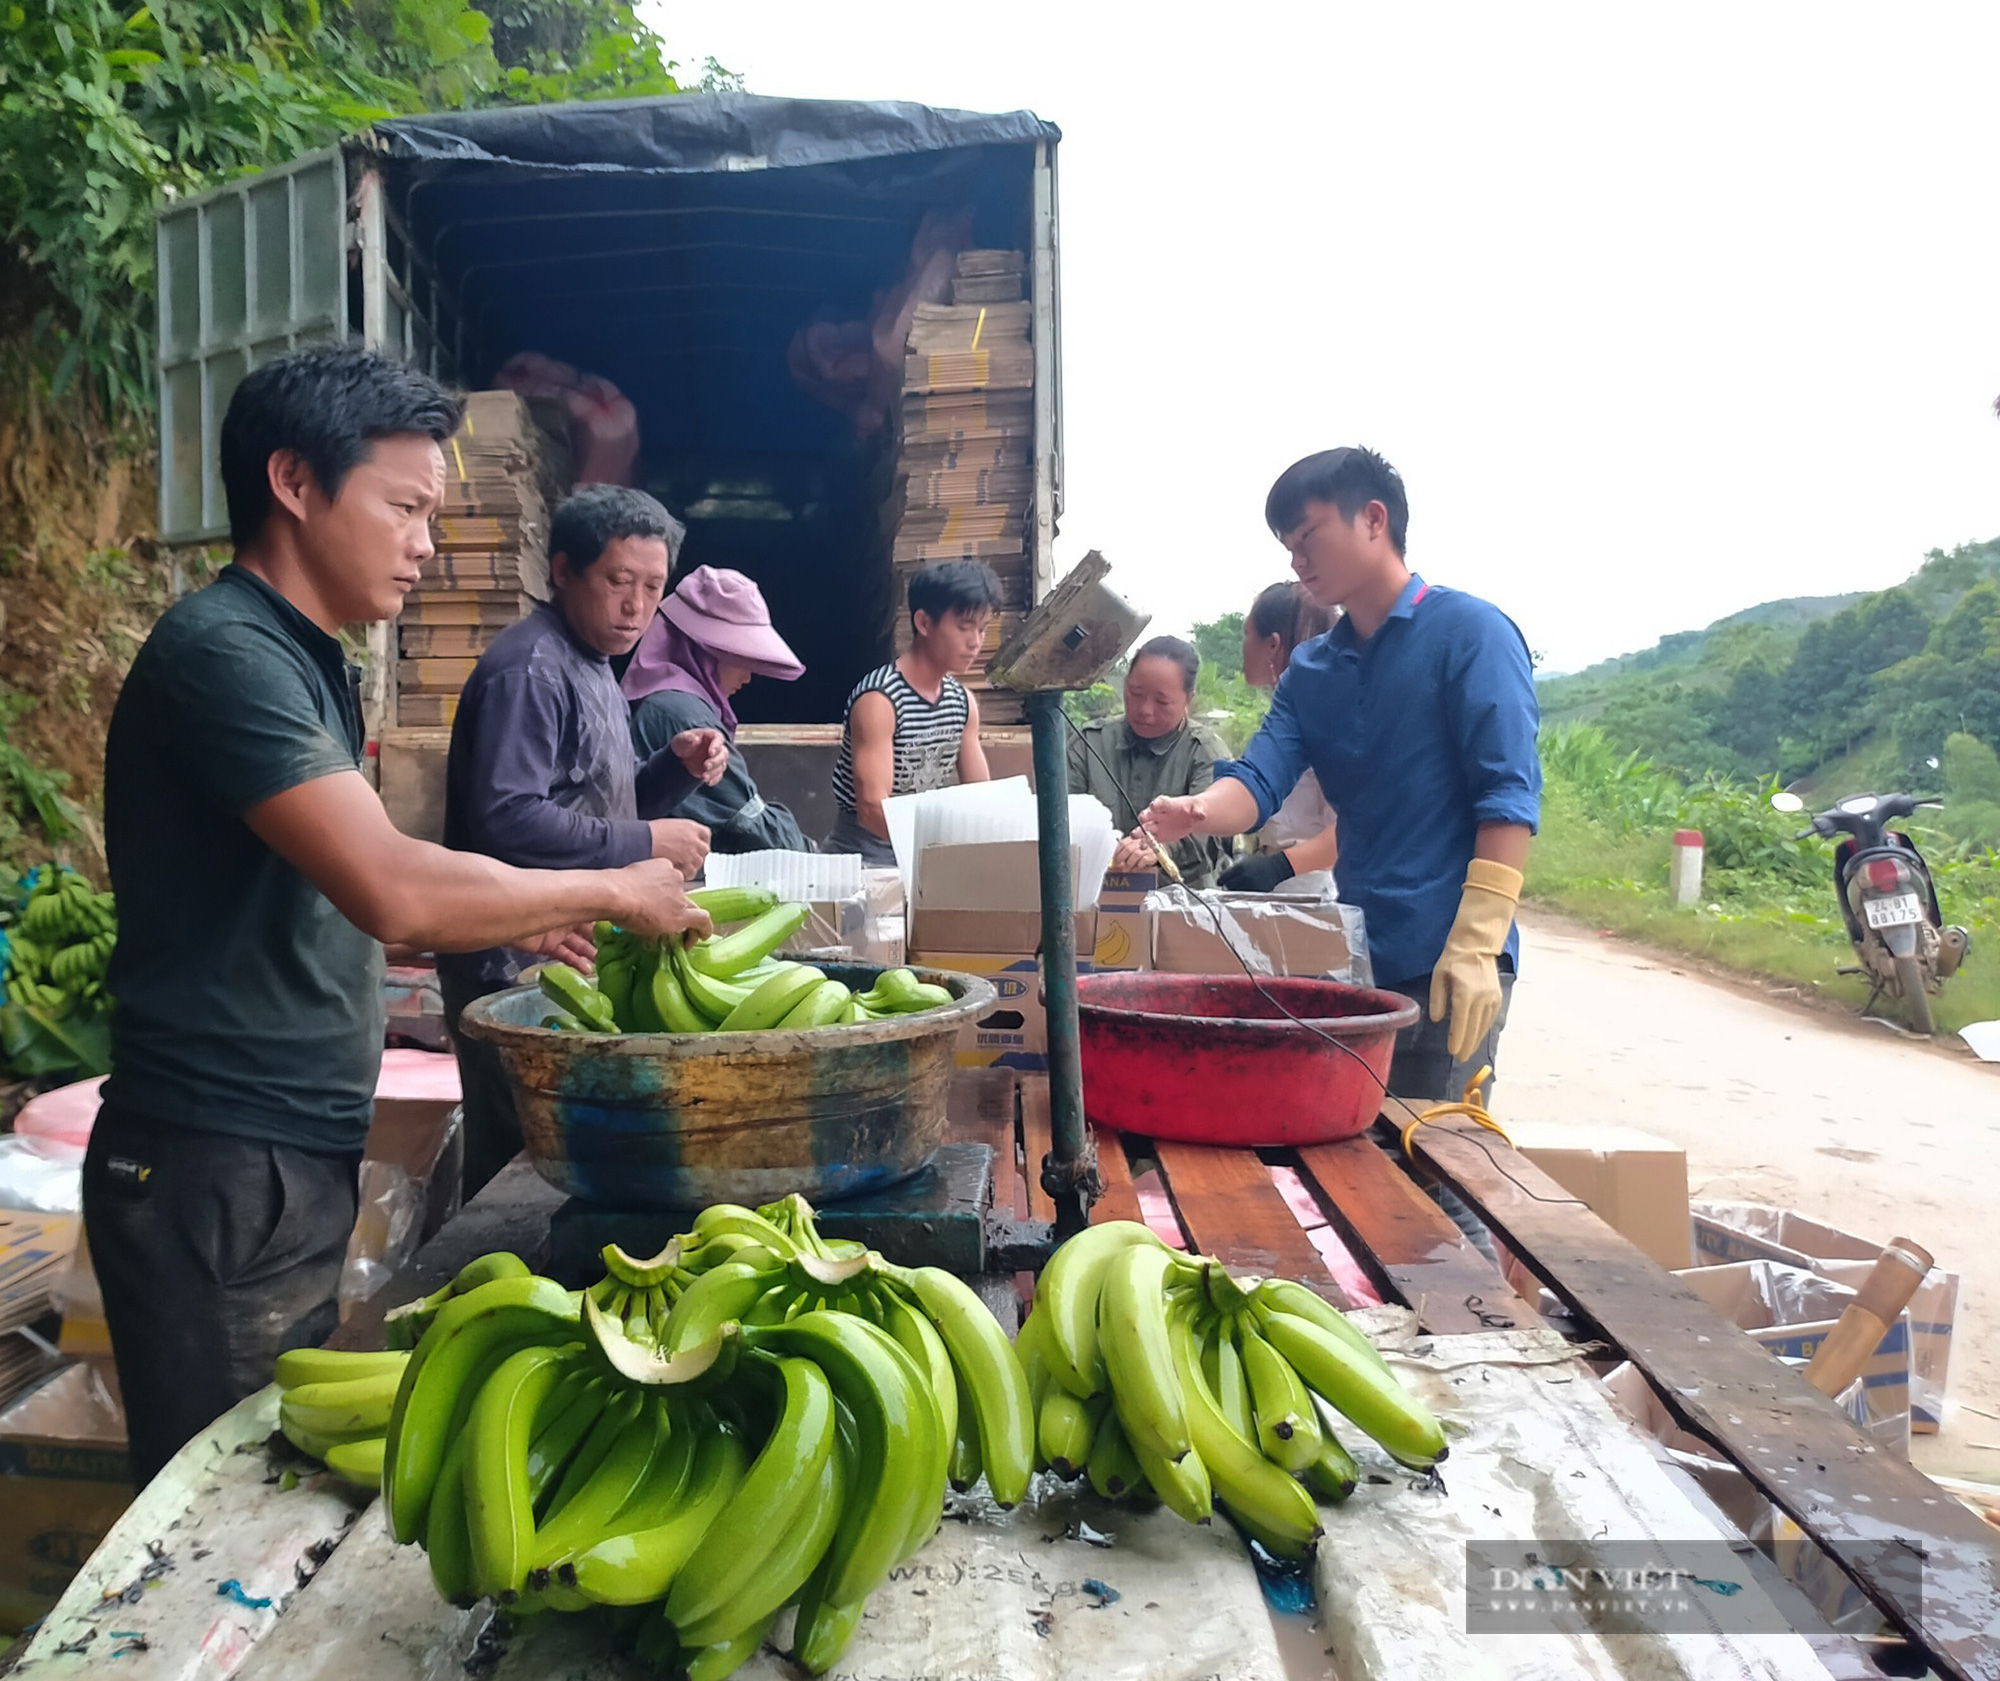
pixel 1894 911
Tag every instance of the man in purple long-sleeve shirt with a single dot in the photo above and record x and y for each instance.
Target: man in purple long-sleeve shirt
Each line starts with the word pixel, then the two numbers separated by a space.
pixel 542 772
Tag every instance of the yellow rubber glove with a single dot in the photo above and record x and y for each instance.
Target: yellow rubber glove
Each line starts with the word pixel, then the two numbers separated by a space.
pixel 1466 981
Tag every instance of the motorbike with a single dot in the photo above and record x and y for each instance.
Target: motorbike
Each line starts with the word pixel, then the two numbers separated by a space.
pixel 1887 900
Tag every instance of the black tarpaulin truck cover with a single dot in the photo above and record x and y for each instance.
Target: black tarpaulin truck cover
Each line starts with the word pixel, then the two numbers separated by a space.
pixel 702 133
pixel 678 248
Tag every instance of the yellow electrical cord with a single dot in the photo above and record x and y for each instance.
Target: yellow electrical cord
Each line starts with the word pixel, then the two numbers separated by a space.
pixel 1471 1106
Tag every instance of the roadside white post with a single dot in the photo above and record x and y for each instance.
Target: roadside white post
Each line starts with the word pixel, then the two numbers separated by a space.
pixel 1684 873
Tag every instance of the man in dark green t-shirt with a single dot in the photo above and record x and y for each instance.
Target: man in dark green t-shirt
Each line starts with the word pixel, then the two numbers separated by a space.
pixel 258 878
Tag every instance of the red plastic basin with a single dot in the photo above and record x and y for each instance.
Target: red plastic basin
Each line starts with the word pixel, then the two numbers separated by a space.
pixel 1217 1059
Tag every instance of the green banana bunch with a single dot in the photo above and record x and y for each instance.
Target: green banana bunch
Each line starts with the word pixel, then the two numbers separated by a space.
pixel 74 967
pixel 471 1337
pixel 725 955
pixel 36 995
pixel 758 1416
pixel 1154 1372
pixel 63 906
pixel 730 982
pixel 26 960
pixel 402 1326
pixel 897 992
pixel 334 1406
pixel 60 947
pixel 578 998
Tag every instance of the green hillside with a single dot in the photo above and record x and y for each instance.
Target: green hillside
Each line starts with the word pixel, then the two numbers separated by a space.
pixel 1814 688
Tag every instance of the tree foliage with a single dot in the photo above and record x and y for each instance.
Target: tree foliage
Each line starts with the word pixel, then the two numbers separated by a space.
pixel 105 108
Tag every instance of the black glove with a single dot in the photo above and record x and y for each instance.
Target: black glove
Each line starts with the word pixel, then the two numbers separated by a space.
pixel 1261 872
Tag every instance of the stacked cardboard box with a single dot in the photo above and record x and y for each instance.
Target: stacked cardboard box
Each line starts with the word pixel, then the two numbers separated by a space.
pixel 966 460
pixel 34 1253
pixel 990 277
pixel 978 911
pixel 1730 1232
pixel 503 474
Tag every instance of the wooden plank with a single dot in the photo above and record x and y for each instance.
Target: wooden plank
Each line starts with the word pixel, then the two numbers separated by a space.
pixel 1408 1243
pixel 1035 1143
pixel 1800 1450
pixel 983 1110
pixel 1120 1200
pixel 1232 1211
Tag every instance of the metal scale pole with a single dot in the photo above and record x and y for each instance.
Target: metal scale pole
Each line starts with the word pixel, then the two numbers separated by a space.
pixel 1066 644
pixel 1070 1174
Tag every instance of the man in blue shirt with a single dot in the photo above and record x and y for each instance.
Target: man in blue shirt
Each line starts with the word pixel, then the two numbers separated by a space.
pixel 1417 712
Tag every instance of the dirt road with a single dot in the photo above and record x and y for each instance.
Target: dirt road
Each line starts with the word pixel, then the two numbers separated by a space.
pixel 1784 1104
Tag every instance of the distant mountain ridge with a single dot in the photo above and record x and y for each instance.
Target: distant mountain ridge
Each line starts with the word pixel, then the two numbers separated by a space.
pixel 1684 646
pixel 1792 685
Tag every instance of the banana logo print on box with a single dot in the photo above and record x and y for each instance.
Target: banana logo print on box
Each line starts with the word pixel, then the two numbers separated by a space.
pixel 1114 944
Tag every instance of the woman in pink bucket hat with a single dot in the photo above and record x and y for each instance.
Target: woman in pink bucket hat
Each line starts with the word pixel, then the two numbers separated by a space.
pixel 712 635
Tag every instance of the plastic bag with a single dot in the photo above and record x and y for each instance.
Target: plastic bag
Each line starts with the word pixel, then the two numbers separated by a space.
pixel 1262 934
pixel 386 1231
pixel 43 1177
pixel 62 1117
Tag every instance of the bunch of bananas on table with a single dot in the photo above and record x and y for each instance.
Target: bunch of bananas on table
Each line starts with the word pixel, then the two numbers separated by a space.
pixel 756 1417
pixel 60 944
pixel 727 983
pixel 334 1405
pixel 1157 1371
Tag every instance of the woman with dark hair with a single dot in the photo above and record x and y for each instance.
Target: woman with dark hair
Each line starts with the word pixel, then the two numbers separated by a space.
pixel 1154 751
pixel 1299 839
pixel 710 637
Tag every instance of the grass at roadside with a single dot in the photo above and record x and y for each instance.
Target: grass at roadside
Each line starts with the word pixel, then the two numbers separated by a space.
pixel 1615 877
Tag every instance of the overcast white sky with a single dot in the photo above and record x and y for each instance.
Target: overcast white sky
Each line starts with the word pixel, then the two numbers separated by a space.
pixel 1661 311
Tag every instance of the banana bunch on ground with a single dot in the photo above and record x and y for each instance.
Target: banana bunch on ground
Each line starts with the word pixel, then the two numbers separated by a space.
pixel 335 1405
pixel 1157 1372
pixel 753 1419
pixel 60 944
pixel 727 983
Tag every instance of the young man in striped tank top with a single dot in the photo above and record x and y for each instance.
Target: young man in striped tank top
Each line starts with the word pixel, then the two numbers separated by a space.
pixel 911 725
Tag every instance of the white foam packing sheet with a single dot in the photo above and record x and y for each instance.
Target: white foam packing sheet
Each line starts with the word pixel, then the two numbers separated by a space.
pixel 976 812
pixel 1537 1450
pixel 900 813
pixel 814 877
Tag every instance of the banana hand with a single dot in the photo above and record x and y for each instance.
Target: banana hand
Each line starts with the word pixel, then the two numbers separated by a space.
pixel 994 1379
pixel 1068 1293
pixel 771 1499
pixel 1406 1429
pixel 1264 1501
pixel 1137 1350
pixel 471 1335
